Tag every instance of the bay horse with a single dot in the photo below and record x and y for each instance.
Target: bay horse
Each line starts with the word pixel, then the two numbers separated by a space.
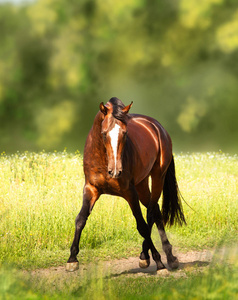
pixel 122 151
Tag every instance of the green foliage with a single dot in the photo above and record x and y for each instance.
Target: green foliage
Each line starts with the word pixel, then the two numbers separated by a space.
pixel 176 59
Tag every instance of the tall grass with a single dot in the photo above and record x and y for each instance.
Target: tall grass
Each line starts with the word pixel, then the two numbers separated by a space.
pixel 41 194
pixel 208 182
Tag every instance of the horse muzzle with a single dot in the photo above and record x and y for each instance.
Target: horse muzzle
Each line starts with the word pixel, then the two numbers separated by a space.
pixel 114 173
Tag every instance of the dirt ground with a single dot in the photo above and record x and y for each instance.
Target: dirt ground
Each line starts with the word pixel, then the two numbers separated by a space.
pixel 196 261
pixel 57 279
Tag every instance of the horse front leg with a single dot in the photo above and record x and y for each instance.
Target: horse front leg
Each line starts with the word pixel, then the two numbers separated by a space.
pixel 90 196
pixel 144 261
pixel 132 198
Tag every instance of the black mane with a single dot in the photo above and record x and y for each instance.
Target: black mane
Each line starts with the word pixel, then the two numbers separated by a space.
pixel 117 110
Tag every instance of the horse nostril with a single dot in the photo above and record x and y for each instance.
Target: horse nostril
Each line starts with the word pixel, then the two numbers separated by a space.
pixel 114 175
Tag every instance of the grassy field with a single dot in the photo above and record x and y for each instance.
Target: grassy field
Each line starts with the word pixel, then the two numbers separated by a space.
pixel 41 195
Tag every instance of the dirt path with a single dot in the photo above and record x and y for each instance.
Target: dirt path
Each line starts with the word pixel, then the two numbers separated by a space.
pixel 191 261
pixel 58 279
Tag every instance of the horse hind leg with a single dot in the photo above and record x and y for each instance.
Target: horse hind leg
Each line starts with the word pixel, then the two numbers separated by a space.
pixel 154 216
pixel 145 198
pixel 143 228
pixel 167 247
pixel 157 186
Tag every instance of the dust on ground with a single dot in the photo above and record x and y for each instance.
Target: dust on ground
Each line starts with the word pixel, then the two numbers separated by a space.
pixel 192 261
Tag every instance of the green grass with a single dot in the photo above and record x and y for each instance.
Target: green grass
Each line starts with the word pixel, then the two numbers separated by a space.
pixel 219 281
pixel 208 183
pixel 41 195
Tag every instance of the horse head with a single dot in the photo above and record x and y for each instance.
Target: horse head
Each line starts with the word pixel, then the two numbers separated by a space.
pixel 114 132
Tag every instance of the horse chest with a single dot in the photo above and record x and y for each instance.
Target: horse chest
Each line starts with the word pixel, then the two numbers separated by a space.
pixel 108 185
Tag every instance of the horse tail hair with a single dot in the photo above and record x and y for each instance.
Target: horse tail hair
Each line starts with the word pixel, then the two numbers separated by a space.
pixel 172 210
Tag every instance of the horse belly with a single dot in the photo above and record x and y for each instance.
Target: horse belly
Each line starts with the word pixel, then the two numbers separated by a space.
pixel 146 149
pixel 144 164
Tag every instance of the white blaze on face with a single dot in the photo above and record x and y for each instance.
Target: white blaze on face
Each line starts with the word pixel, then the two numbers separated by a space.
pixel 114 133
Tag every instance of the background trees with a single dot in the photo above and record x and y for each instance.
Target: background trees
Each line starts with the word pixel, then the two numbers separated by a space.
pixel 177 60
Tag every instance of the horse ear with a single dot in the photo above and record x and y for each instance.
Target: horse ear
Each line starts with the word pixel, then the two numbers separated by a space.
pixel 127 108
pixel 103 108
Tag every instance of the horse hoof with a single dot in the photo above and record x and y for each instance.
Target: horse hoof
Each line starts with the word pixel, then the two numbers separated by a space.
pixel 71 267
pixel 144 263
pixel 163 272
pixel 174 265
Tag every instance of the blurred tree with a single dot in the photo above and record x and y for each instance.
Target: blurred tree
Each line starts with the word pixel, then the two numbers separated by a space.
pixel 176 59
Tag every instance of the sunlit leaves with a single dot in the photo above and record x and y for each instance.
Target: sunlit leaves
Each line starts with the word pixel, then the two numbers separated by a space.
pixel 227 35
pixel 43 15
pixel 197 13
pixel 157 52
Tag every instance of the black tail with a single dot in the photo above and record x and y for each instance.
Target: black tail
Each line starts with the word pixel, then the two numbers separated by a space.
pixel 172 209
